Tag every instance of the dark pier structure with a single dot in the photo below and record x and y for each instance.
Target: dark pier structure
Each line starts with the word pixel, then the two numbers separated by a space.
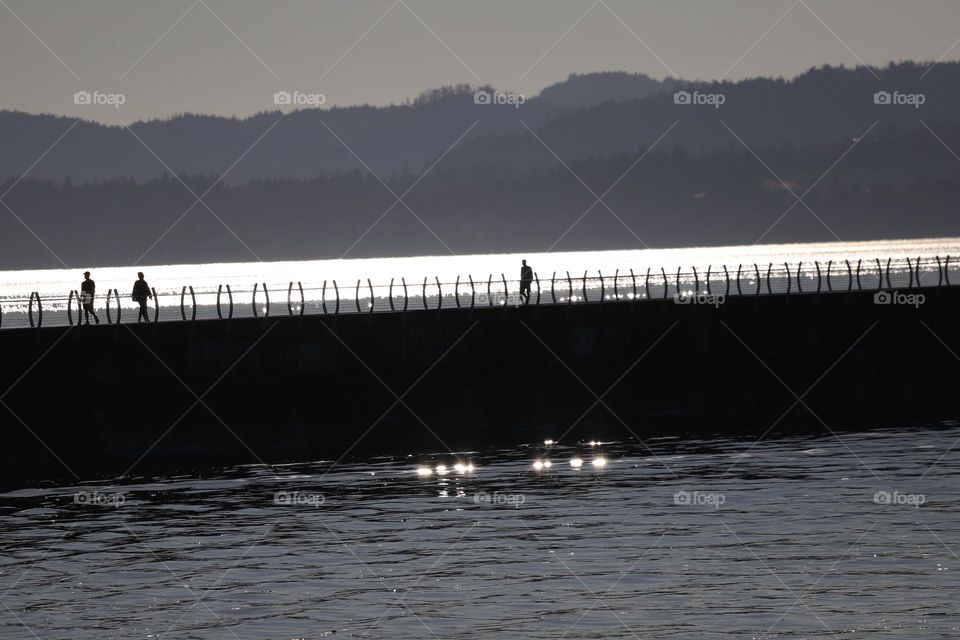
pixel 122 398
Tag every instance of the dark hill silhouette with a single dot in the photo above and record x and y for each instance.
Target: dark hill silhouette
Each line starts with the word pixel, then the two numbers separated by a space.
pixel 589 116
pixel 391 140
pixel 896 183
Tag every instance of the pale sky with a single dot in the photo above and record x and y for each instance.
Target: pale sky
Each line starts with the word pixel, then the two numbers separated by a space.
pixel 228 57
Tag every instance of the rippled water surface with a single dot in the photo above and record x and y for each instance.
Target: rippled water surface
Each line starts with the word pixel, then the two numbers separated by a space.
pixel 854 536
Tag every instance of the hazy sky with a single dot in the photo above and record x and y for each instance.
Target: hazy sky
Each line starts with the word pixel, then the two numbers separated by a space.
pixel 228 57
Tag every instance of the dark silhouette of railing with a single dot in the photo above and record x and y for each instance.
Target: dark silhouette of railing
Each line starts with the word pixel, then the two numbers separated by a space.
pixel 497 291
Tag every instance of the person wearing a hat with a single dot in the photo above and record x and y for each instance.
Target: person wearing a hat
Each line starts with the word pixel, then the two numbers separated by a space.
pixel 87 291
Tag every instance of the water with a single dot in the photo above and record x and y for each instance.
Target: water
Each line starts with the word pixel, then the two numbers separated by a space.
pixel 791 538
pixel 487 271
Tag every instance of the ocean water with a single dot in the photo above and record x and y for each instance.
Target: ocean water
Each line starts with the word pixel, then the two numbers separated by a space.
pixel 365 283
pixel 852 536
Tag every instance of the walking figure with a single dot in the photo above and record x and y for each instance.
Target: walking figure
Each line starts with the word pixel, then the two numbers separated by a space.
pixel 88 290
pixel 526 277
pixel 141 292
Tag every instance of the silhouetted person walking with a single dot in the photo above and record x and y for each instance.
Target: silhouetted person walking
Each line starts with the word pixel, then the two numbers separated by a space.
pixel 141 292
pixel 88 289
pixel 526 277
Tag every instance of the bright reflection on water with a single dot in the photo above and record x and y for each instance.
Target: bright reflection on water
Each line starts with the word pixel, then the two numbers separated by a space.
pixel 788 538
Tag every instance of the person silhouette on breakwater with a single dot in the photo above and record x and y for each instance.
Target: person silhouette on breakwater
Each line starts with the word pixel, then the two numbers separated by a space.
pixel 88 289
pixel 141 292
pixel 526 277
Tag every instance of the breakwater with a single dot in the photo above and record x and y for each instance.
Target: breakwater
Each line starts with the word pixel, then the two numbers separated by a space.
pixel 126 398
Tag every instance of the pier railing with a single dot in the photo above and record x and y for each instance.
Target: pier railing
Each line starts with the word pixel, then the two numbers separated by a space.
pixel 400 295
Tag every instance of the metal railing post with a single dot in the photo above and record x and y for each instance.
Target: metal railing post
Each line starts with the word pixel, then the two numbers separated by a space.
pixel 336 291
pixel 439 292
pixel 253 303
pixel 570 286
pixel 370 286
pixel 859 285
pixel 819 282
pixel 506 293
pixel 229 298
pixel 356 295
pixel 757 269
pixel 70 308
pixel 289 299
pixel 799 283
pixel 406 297
pixel 553 292
pixel 849 277
pixel 584 287
pixel 666 284
pixel 456 292
pixel 391 295
pixel 303 301
pixel 473 292
pixel 183 301
pixel 193 301
pixel 739 270
pixel 769 269
pixel 536 278
pixel 910 270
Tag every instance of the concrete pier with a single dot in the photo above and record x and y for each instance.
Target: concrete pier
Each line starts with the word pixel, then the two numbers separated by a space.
pixel 115 399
